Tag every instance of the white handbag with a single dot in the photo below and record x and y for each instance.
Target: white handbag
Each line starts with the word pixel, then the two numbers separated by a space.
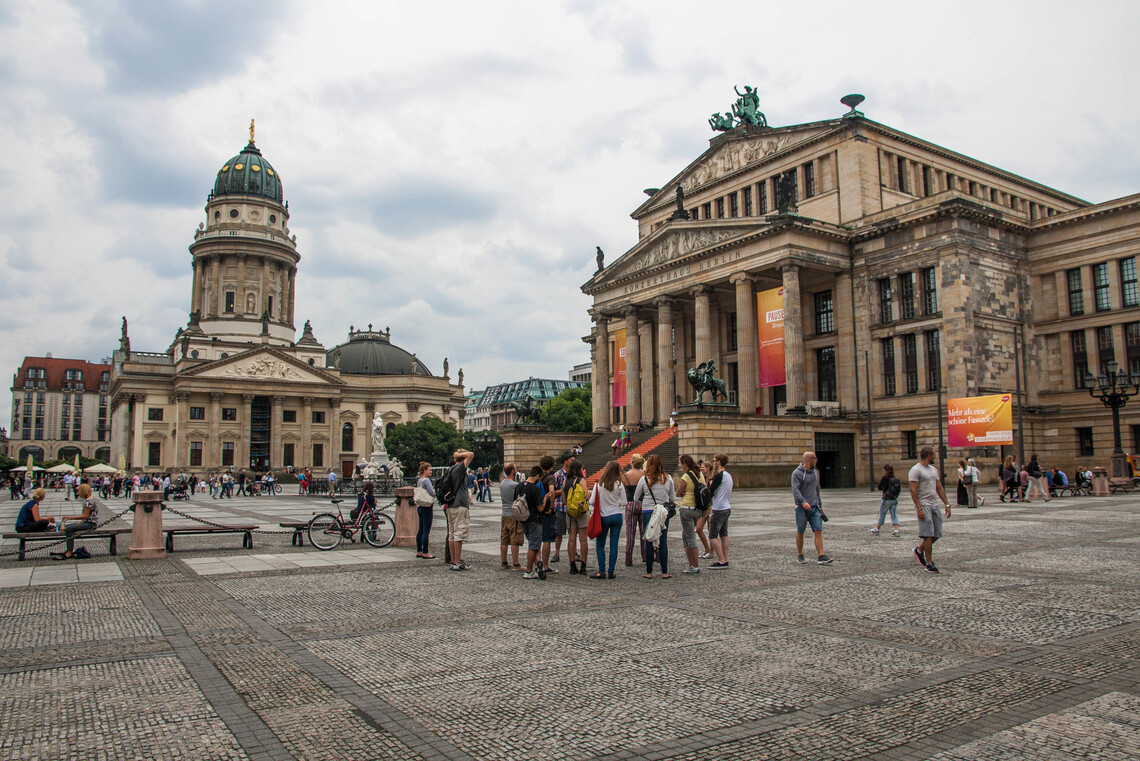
pixel 422 498
pixel 656 524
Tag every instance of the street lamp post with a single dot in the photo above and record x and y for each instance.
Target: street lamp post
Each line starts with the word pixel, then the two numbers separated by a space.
pixel 1113 388
pixel 484 441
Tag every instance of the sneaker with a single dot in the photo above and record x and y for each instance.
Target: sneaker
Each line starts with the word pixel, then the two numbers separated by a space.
pixel 800 559
pixel 516 567
pixel 822 560
pixel 981 501
pixel 707 556
pixel 722 566
pixel 573 566
pixel 550 570
pixel 530 575
pixel 555 559
pixel 930 568
pixel 540 571
pixel 874 531
pixel 463 566
pixel 896 534
pixel 691 569
pixel 504 566
pixel 921 557
pixel 455 567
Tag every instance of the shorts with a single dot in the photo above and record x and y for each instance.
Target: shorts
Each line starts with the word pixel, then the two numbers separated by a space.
pixel 560 523
pixel 803 518
pixel 549 527
pixel 718 524
pixel 689 518
pixel 458 523
pixel 579 522
pixel 532 530
pixel 510 532
pixel 931 528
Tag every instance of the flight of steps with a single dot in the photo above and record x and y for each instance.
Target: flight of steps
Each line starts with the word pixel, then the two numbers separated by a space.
pixel 661 442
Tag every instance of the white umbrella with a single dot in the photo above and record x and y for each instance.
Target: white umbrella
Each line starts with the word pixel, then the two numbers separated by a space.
pixel 100 468
pixel 63 467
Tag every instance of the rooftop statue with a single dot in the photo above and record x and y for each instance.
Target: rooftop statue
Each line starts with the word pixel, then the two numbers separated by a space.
pixel 746 110
pixel 601 260
pixel 721 123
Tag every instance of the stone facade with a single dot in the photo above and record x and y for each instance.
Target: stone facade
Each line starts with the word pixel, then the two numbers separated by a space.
pixel 526 448
pixel 907 270
pixel 60 409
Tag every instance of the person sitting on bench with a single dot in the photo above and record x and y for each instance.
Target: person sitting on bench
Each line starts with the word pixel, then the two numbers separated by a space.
pixel 87 521
pixel 29 520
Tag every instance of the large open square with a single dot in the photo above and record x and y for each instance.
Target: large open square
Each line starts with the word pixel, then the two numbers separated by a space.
pixel 1025 646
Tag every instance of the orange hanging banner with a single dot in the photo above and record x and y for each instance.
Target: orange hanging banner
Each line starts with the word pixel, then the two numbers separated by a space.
pixel 619 368
pixel 979 421
pixel 770 335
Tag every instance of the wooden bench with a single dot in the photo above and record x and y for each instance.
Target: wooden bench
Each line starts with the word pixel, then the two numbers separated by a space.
pixel 1119 485
pixel 245 531
pixel 111 534
pixel 300 528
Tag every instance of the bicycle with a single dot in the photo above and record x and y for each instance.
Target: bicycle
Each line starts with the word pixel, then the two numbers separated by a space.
pixel 327 530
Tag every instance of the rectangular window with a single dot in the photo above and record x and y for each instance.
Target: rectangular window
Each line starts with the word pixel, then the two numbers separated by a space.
pixel 229 308
pixel 910 362
pixel 1106 350
pixel 1101 296
pixel 886 311
pixel 1129 296
pixel 270 306
pixel 720 208
pixel 229 413
pixel 889 366
pixel 824 312
pixel 706 211
pixel 154 454
pixel 733 205
pixel 1085 442
pixel 809 179
pixel 154 413
pixel 318 416
pixel 287 455
pixel 1132 347
pixel 825 371
pixel 288 416
pixel 762 196
pixel 1076 292
pixel 911 443
pixel 1080 357
pixel 900 166
pixel 227 453
pixel 732 345
pixel 318 455
pixel 197 413
pixel 926 180
pixel 906 295
pixel 747 201
pixel 933 360
pixel 929 291
pixel 195 454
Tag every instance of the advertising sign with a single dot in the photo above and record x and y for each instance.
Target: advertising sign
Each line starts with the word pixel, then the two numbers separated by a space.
pixel 770 335
pixel 619 368
pixel 980 421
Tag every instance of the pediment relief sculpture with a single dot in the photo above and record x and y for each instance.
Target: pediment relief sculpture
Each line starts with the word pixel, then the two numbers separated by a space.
pixel 678 244
pixel 737 155
pixel 263 367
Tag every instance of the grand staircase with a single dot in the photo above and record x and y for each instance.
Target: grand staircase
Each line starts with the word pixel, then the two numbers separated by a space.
pixel 661 442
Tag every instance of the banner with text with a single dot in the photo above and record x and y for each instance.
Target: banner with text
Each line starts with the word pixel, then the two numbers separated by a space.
pixel 619 368
pixel 980 421
pixel 770 335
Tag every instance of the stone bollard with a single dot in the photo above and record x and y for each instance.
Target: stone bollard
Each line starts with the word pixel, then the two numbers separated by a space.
pixel 1100 482
pixel 407 519
pixel 146 536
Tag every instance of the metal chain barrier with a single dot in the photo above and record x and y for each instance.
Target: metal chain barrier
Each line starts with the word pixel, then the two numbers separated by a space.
pixel 254 531
pixel 63 540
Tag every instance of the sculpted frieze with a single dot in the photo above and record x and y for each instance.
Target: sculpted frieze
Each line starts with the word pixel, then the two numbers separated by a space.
pixel 262 367
pixel 679 244
pixel 736 155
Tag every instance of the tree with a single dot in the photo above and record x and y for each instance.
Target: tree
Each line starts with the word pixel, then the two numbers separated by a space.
pixel 571 411
pixel 428 439
pixel 490 456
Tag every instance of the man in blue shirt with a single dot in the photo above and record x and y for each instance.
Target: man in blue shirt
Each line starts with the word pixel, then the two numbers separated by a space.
pixel 805 491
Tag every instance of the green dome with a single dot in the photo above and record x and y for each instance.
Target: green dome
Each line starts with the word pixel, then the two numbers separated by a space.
pixel 248 174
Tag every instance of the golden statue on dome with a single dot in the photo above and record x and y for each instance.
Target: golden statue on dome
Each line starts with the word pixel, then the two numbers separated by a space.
pixel 251 131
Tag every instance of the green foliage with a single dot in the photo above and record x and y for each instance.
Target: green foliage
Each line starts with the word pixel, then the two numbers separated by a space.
pixel 571 411
pixel 428 439
pixel 490 456
pixel 7 462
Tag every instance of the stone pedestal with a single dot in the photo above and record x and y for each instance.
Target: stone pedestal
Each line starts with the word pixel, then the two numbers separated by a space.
pixel 1100 482
pixel 146 536
pixel 407 518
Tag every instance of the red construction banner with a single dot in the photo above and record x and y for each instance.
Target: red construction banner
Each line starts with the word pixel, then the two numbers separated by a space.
pixel 770 334
pixel 619 368
pixel 980 421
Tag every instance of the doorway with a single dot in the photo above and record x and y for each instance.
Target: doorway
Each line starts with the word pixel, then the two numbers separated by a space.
pixel 836 453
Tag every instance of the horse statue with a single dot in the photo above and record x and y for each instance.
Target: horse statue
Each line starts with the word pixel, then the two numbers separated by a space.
pixel 701 379
pixel 526 410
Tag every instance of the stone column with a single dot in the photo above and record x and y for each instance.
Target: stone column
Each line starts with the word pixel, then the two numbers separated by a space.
pixel 265 286
pixel 648 379
pixel 306 432
pixel 746 347
pixel 334 446
pixel 181 421
pixel 214 306
pixel 601 378
pixel 793 337
pixel 632 367
pixel 276 422
pixel 703 320
pixel 239 299
pixel 214 456
pixel 664 359
pixel 196 296
pixel 244 413
pixel 291 282
pixel 680 359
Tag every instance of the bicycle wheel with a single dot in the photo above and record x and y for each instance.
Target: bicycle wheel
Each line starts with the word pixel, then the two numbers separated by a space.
pixel 378 529
pixel 325 531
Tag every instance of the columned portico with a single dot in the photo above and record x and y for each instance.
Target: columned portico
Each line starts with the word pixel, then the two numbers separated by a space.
pixel 793 336
pixel 244 410
pixel 601 378
pixel 664 358
pixel 704 348
pixel 746 349
pixel 632 367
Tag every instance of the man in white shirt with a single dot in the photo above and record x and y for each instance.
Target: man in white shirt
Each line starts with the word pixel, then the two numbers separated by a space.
pixel 721 489
pixel 68 486
pixel 927 493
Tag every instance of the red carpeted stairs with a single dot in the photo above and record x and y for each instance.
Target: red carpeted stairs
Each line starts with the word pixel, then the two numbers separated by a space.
pixel 663 444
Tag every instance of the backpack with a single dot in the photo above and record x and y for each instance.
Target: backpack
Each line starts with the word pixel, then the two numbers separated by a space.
pixel 702 497
pixel 576 503
pixel 968 475
pixel 445 488
pixel 520 508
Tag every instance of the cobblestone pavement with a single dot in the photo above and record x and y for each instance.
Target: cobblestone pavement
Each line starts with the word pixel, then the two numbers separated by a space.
pixel 1026 646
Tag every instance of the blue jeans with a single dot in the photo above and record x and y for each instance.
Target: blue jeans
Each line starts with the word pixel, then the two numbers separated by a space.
pixel 892 505
pixel 611 527
pixel 425 514
pixel 662 548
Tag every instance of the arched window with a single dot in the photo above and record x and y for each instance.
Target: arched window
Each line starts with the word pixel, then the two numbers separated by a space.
pixel 67 453
pixel 388 429
pixel 103 454
pixel 346 444
pixel 36 452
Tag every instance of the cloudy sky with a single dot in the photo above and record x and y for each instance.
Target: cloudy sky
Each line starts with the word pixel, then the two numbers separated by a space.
pixel 450 166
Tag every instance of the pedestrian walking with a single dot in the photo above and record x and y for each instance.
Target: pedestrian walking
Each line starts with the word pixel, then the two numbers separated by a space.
pixel 889 487
pixel 1008 476
pixel 809 509
pixel 929 497
pixel 1038 481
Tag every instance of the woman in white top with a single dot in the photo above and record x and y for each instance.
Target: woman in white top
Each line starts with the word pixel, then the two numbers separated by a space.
pixel 655 488
pixel 609 496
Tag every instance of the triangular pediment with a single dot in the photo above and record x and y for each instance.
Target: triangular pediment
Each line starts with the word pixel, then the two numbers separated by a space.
pixel 262 365
pixel 670 244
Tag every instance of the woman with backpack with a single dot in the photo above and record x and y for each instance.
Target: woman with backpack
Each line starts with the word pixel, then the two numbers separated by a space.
pixel 694 506
pixel 655 489
pixel 890 488
pixel 610 500
pixel 577 515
